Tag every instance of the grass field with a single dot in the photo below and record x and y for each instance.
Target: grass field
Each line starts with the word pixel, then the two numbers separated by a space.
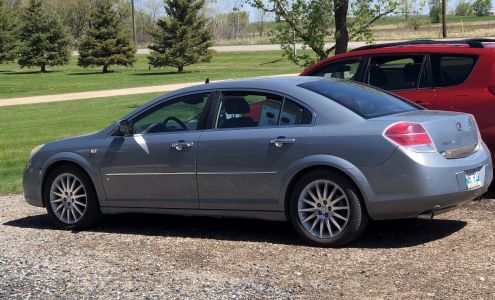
pixel 26 126
pixel 16 82
pixel 392 28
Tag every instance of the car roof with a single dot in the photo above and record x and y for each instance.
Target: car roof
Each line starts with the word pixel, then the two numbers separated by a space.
pixel 284 84
pixel 287 85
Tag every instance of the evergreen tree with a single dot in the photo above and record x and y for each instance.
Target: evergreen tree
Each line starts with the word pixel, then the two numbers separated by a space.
pixel 8 30
pixel 43 39
pixel 182 37
pixel 106 42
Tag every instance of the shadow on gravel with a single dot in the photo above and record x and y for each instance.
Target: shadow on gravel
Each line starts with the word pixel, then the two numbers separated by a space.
pixel 384 234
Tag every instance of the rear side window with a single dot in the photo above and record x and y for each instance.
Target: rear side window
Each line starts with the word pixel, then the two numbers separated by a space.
pixel 450 70
pixel 364 100
pixel 294 114
pixel 342 69
pixel 397 72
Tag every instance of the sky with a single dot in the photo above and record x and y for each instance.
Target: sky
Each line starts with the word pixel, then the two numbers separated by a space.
pixel 228 5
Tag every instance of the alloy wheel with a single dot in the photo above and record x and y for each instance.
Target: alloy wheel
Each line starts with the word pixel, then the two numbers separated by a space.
pixel 68 198
pixel 323 209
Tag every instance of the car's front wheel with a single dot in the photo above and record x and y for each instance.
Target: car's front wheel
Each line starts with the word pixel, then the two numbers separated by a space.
pixel 70 198
pixel 326 210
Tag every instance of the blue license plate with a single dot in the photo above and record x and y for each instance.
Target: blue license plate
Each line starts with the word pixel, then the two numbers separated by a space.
pixel 473 179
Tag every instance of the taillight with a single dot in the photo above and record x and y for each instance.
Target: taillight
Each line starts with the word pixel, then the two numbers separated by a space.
pixel 411 136
pixel 491 89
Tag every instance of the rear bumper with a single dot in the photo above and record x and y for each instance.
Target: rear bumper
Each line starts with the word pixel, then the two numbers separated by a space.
pixel 410 184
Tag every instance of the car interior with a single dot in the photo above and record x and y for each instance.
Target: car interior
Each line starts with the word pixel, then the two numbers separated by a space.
pixel 391 73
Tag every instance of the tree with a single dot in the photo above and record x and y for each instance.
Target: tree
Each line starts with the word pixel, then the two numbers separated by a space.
pixel 106 42
pixel 435 11
pixel 482 8
pixel 74 14
pixel 182 37
pixel 411 7
pixel 8 30
pixel 313 22
pixel 43 40
pixel 464 8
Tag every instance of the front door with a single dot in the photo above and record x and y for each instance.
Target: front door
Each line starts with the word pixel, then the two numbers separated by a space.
pixel 242 160
pixel 155 166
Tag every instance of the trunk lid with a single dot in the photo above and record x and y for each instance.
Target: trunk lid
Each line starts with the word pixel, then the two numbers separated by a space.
pixel 455 135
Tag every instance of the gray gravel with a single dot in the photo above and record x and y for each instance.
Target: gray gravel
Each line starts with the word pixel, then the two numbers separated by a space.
pixel 136 256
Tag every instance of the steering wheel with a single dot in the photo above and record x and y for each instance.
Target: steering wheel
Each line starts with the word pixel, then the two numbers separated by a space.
pixel 176 120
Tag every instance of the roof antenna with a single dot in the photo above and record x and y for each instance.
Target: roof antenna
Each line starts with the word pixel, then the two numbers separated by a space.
pixel 207 80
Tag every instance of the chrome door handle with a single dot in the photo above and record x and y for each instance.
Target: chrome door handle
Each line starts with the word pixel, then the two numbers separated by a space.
pixel 281 141
pixel 180 145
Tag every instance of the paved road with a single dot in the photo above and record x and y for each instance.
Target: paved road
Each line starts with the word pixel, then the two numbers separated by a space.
pixel 254 48
pixel 274 47
pixel 105 93
pixel 132 256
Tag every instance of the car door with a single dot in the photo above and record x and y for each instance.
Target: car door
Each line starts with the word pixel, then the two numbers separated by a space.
pixel 255 138
pixel 406 75
pixel 155 166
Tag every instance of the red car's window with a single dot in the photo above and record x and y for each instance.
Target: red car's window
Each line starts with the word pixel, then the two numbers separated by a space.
pixel 396 72
pixel 451 69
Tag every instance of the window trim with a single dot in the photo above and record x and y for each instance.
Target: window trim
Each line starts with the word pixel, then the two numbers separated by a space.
pixel 160 103
pixel 471 71
pixel 425 63
pixel 361 70
pixel 217 101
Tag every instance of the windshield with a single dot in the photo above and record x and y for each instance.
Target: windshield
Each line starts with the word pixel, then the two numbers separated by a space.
pixel 366 101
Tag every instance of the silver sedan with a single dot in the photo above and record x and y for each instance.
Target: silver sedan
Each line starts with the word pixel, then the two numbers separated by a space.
pixel 326 155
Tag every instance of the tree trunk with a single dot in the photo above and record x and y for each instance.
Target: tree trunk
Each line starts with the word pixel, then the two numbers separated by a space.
pixel 105 68
pixel 180 69
pixel 341 33
pixel 43 68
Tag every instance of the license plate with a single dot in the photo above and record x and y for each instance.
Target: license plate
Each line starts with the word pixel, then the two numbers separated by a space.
pixel 473 179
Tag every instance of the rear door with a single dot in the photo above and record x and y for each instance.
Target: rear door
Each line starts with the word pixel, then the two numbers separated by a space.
pixel 406 75
pixel 254 138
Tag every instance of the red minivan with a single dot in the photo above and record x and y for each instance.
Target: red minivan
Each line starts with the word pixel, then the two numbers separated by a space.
pixel 440 75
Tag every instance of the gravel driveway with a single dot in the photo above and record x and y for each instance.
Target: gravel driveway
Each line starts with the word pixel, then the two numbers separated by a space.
pixel 136 256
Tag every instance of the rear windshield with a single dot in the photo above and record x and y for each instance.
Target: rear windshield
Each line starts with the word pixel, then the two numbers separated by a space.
pixel 364 100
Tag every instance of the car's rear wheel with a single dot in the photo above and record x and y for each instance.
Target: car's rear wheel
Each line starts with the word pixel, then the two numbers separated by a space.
pixel 70 198
pixel 326 209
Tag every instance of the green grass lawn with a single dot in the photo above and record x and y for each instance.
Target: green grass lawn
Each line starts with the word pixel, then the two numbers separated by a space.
pixel 16 82
pixel 26 126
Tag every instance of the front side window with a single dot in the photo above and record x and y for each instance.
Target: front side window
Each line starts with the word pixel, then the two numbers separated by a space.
pixel 398 72
pixel 342 70
pixel 244 110
pixel 450 70
pixel 180 114
pixel 364 100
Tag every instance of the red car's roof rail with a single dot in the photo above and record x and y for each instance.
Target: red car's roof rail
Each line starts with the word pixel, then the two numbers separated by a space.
pixel 472 43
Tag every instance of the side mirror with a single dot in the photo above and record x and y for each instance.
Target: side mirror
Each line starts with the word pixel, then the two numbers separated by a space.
pixel 124 127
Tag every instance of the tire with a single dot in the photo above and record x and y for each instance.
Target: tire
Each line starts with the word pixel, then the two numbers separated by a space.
pixel 71 205
pixel 324 206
